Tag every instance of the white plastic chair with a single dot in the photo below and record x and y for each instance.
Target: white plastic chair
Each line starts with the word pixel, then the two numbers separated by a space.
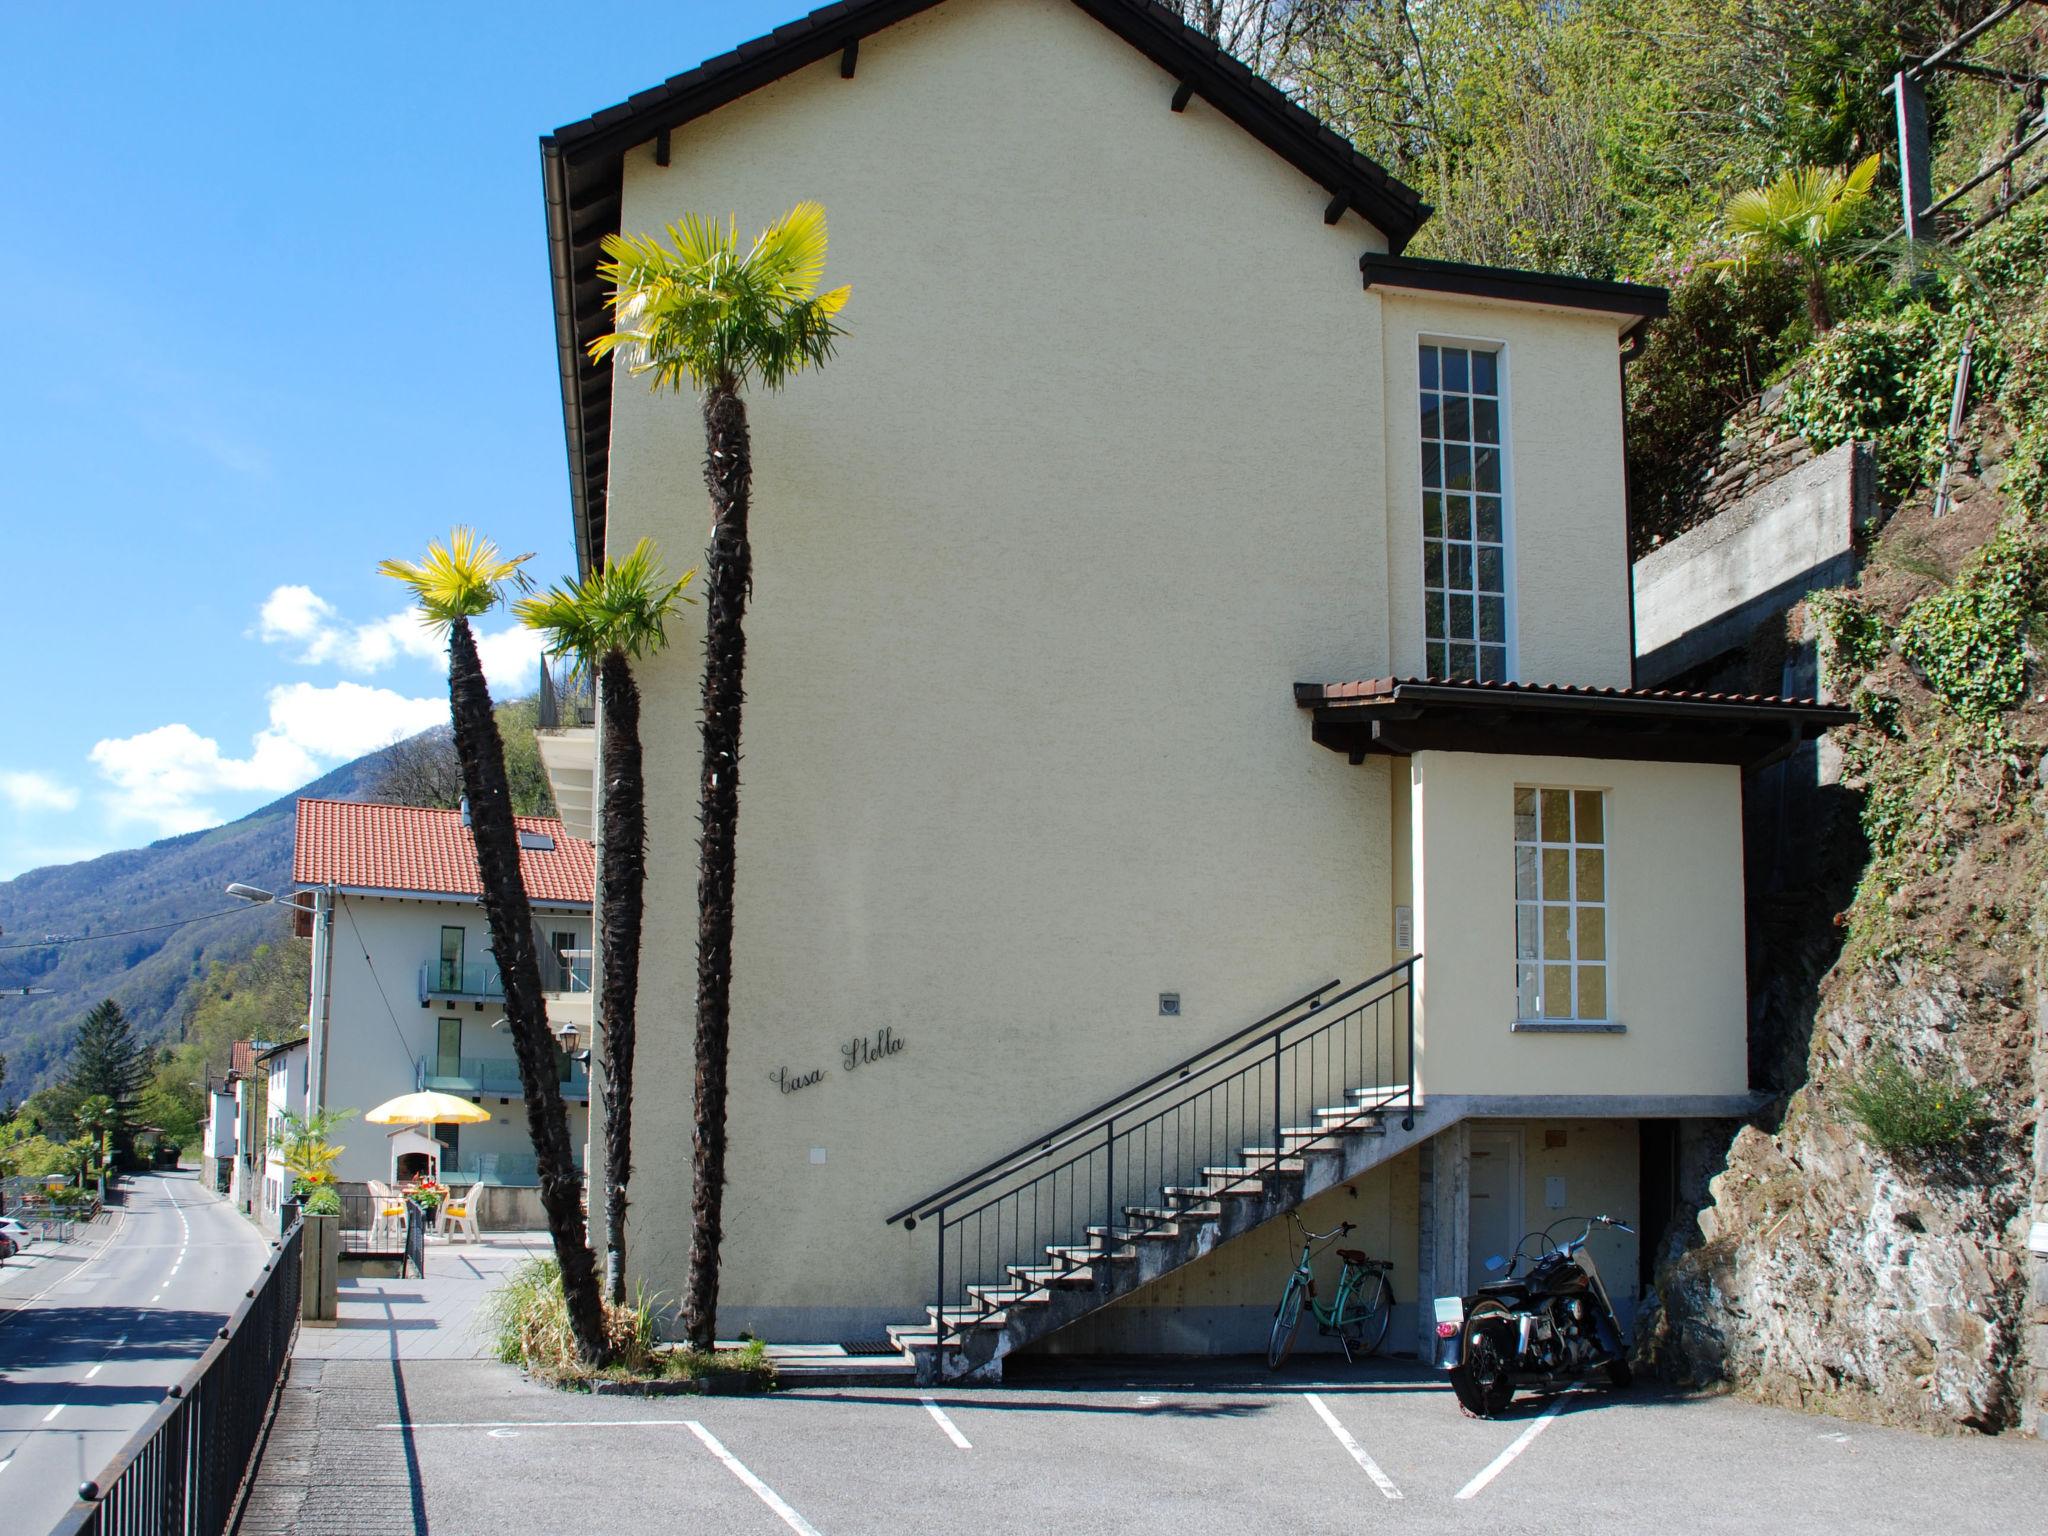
pixel 458 1212
pixel 387 1224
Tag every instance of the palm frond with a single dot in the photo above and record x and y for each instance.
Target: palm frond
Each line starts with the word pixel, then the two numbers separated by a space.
pixel 699 310
pixel 624 605
pixel 457 580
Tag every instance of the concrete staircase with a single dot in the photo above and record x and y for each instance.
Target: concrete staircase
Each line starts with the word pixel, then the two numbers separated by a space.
pixel 1099 1264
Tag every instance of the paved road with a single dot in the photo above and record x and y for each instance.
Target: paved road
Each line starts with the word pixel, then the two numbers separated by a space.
pixel 467 1448
pixel 89 1341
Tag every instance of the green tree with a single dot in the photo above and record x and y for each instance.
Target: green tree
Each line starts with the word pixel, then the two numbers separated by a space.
pixel 603 623
pixel 703 312
pixel 454 584
pixel 106 1061
pixel 174 1100
pixel 307 1148
pixel 1806 215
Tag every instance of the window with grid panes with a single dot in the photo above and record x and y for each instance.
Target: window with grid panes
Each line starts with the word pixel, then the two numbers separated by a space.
pixel 1464 543
pixel 1561 904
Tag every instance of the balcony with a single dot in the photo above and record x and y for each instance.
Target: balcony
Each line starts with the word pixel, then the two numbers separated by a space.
pixel 477 1076
pixel 476 982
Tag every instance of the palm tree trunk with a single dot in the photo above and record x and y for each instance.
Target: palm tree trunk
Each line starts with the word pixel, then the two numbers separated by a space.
pixel 482 754
pixel 728 567
pixel 623 837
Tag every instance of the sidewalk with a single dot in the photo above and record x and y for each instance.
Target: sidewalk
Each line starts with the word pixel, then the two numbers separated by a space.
pixel 438 1318
pixel 47 1266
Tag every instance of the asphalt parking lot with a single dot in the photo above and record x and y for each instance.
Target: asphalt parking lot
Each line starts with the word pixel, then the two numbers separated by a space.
pixel 457 1447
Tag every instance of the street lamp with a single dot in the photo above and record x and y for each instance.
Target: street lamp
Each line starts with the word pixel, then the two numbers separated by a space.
pixel 321 910
pixel 256 896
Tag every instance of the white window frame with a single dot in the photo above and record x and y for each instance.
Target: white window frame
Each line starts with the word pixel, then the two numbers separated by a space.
pixel 1503 379
pixel 1537 1018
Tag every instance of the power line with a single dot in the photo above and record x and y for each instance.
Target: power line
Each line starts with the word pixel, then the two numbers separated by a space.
pixel 123 933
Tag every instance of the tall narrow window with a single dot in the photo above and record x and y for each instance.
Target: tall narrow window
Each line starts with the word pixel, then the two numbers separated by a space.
pixel 451 958
pixel 448 1049
pixel 1464 543
pixel 1561 904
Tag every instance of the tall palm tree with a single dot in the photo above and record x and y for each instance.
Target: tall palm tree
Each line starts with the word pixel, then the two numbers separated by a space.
pixel 1807 214
pixel 454 584
pixel 702 311
pixel 603 623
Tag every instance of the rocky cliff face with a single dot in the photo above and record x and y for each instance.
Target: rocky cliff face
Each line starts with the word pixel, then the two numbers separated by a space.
pixel 1898 1285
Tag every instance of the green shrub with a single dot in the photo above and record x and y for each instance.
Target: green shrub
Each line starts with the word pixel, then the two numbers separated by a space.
pixel 325 1200
pixel 1853 638
pixel 1913 1114
pixel 1889 380
pixel 1969 640
pixel 530 1322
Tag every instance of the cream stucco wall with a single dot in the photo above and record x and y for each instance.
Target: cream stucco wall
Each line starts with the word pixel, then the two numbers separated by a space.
pixel 377 1029
pixel 1568 610
pixel 1675 929
pixel 1100 471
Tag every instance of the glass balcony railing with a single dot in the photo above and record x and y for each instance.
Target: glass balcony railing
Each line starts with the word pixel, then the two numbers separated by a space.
pixel 477 980
pixel 474 1075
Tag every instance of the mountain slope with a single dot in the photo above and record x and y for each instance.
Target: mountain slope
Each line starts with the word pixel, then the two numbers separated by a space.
pixel 147 973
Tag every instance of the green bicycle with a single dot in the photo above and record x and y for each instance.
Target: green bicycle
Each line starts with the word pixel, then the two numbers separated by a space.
pixel 1361 1312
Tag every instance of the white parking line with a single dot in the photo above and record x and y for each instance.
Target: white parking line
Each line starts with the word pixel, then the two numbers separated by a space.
pixel 952 1430
pixel 1358 1452
pixel 1499 1463
pixel 762 1491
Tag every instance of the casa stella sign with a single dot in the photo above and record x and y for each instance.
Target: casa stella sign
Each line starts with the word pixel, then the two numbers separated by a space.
pixel 860 1051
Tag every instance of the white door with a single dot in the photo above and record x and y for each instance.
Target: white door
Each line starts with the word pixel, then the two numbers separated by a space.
pixel 1494 1223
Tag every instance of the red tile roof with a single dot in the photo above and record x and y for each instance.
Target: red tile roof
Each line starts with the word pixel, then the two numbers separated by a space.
pixel 405 848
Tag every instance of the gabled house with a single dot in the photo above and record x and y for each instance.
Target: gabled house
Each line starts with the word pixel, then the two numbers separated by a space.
pixel 406 992
pixel 1193 769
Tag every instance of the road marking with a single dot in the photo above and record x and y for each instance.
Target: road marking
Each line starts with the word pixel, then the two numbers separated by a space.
pixel 53 1413
pixel 1358 1453
pixel 159 1296
pixel 952 1430
pixel 19 1307
pixel 95 1370
pixel 761 1490
pixel 1499 1463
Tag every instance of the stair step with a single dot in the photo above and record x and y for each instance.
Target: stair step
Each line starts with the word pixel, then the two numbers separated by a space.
pixel 1081 1279
pixel 1133 1234
pixel 1004 1296
pixel 968 1317
pixel 1200 1211
pixel 1210 1196
pixel 1266 1169
pixel 1087 1256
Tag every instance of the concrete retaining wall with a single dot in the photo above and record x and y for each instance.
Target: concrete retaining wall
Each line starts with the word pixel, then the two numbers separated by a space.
pixel 1703 593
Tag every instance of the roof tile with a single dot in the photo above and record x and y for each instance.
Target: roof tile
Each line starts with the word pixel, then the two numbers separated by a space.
pixel 408 848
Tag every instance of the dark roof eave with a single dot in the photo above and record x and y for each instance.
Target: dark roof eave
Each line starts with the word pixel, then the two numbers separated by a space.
pixel 1402 717
pixel 1640 301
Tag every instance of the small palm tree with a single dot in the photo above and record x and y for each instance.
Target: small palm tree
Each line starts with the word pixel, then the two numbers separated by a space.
pixel 603 623
pixel 306 1151
pixel 454 584
pixel 703 312
pixel 1807 214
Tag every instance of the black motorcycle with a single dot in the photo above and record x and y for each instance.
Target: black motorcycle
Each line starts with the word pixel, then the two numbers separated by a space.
pixel 1538 1331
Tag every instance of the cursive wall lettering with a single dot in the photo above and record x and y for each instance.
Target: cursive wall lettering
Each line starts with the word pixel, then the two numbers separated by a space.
pixel 862 1049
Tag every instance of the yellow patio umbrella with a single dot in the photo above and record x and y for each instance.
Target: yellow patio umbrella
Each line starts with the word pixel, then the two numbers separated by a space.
pixel 428 1109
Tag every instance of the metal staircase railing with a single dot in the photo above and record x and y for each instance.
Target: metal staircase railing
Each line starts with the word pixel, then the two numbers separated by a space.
pixel 1270 1084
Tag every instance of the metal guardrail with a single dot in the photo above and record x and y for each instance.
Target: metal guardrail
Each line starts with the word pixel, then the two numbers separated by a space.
pixel 474 981
pixel 184 1470
pixel 1273 1084
pixel 493 1074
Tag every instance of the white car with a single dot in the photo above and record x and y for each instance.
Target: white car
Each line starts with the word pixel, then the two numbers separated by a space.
pixel 13 1237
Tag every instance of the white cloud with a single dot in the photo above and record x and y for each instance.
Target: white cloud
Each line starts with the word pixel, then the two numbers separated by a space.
pixel 37 792
pixel 166 776
pixel 298 616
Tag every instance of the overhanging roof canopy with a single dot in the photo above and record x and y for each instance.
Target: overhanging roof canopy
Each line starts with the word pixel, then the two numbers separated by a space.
pixel 581 175
pixel 1402 716
pixel 1635 303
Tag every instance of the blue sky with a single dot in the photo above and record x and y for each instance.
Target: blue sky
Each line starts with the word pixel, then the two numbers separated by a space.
pixel 273 305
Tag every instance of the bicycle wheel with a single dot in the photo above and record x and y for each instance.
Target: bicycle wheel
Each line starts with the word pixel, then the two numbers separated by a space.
pixel 1286 1323
pixel 1366 1330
